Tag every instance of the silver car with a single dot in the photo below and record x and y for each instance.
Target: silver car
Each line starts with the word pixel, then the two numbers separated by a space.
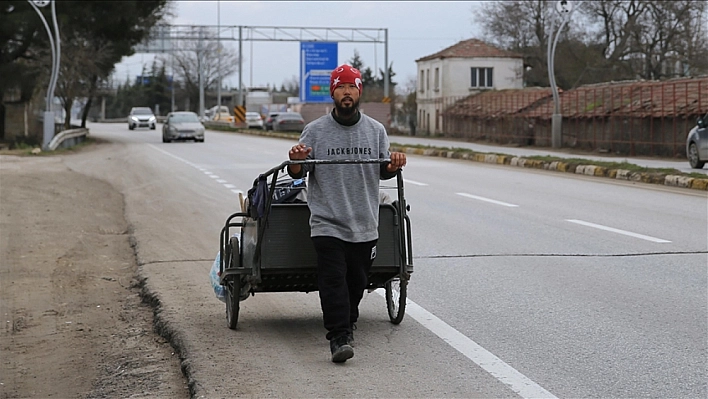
pixel 697 143
pixel 141 117
pixel 254 120
pixel 289 121
pixel 182 126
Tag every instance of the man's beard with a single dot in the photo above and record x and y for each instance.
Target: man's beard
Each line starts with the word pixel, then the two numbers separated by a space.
pixel 346 111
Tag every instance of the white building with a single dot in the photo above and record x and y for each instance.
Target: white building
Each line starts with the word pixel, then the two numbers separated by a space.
pixel 465 68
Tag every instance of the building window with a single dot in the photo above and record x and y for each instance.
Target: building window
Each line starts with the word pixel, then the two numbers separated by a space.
pixel 481 77
pixel 422 81
pixel 437 79
pixel 427 79
pixel 437 120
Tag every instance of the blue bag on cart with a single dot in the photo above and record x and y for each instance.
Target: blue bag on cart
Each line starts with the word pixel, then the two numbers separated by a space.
pixel 214 278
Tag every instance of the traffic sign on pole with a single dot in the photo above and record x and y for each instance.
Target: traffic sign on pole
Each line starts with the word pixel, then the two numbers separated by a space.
pixel 317 61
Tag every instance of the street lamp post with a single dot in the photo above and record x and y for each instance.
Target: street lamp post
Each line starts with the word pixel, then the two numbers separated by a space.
pixel 218 54
pixel 565 9
pixel 55 44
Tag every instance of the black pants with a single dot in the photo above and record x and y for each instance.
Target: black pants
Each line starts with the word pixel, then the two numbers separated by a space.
pixel 342 276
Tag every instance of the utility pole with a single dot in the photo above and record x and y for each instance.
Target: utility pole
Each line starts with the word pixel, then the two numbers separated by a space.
pixel 218 52
pixel 55 44
pixel 565 9
pixel 240 65
pixel 200 66
pixel 386 77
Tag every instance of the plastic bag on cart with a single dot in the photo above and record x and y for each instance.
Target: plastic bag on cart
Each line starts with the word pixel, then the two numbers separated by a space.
pixel 257 196
pixel 287 190
pixel 214 278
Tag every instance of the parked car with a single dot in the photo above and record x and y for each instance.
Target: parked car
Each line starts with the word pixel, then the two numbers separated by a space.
pixel 141 117
pixel 289 121
pixel 697 143
pixel 223 117
pixel 182 125
pixel 209 113
pixel 254 120
pixel 268 123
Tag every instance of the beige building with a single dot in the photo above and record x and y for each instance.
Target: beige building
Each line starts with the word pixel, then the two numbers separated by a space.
pixel 466 68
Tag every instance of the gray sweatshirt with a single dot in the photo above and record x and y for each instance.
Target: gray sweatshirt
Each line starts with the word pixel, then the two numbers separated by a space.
pixel 344 198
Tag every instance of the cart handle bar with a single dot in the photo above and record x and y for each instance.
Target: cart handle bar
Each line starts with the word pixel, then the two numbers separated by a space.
pixel 324 161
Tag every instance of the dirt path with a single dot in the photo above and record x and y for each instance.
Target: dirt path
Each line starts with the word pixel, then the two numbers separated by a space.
pixel 75 325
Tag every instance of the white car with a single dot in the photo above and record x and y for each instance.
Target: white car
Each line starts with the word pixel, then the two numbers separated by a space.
pixel 141 117
pixel 254 120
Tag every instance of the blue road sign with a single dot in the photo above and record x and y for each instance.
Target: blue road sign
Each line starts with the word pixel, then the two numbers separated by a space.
pixel 317 61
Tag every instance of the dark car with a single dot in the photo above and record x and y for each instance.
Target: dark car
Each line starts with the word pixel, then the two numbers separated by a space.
pixel 268 123
pixel 697 143
pixel 182 126
pixel 289 121
pixel 141 117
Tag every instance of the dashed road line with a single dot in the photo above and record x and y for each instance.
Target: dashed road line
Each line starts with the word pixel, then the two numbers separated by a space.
pixel 618 231
pixel 487 200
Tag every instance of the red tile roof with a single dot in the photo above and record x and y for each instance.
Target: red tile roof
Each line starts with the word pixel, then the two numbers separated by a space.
pixel 498 103
pixel 636 99
pixel 472 48
pixel 640 99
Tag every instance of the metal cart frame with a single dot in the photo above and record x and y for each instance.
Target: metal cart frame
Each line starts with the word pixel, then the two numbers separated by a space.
pixel 258 257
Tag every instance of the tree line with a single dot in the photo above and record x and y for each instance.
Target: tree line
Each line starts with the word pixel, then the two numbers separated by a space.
pixel 95 36
pixel 607 40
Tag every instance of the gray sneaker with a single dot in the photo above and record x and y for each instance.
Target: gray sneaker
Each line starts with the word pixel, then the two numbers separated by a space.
pixel 341 350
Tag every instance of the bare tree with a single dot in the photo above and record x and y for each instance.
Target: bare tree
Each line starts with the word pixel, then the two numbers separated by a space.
pixel 693 42
pixel 515 25
pixel 80 64
pixel 523 26
pixel 292 86
pixel 663 37
pixel 606 40
pixel 615 21
pixel 203 57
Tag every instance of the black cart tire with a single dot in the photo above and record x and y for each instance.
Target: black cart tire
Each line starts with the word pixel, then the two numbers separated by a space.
pixel 233 284
pixel 396 292
pixel 233 287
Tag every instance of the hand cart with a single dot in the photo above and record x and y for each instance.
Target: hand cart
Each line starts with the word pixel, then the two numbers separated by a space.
pixel 270 250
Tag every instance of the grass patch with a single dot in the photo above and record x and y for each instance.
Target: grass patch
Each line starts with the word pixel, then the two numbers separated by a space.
pixel 25 150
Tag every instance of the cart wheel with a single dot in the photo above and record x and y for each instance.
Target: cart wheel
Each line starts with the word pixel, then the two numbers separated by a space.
pixel 233 285
pixel 396 299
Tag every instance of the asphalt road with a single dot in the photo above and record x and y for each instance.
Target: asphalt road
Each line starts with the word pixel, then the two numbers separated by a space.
pixel 663 163
pixel 527 283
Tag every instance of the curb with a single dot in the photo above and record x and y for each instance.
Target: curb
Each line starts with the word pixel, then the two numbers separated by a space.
pixel 558 166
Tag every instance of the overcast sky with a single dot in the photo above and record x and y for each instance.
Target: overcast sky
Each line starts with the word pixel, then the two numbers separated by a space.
pixel 415 29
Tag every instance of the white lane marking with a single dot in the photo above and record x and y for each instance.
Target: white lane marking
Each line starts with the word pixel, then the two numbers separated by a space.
pixel 618 231
pixel 206 172
pixel 417 183
pixel 487 200
pixel 493 365
pixel 173 156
